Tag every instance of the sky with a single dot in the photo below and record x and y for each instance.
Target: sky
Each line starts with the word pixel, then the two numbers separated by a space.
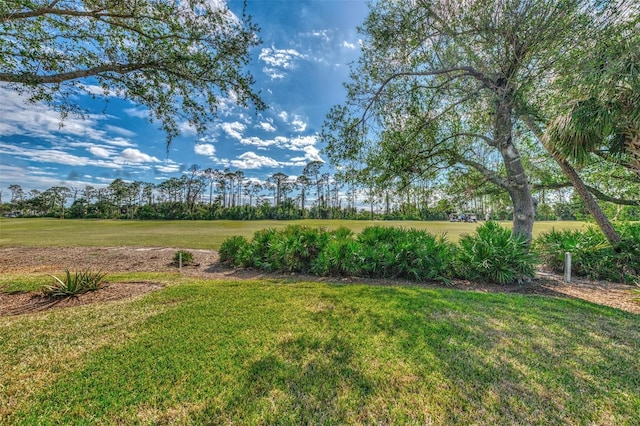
pixel 299 69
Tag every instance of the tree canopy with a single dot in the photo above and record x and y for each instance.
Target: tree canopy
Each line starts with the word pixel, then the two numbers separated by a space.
pixel 445 82
pixel 178 58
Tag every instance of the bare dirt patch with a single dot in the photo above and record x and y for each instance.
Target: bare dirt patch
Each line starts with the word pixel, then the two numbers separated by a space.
pixel 18 260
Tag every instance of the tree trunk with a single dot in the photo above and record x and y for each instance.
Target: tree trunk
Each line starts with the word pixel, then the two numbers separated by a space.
pixel 589 202
pixel 587 198
pixel 518 187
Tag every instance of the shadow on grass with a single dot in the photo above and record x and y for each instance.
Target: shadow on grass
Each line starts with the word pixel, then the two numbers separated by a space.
pixel 265 353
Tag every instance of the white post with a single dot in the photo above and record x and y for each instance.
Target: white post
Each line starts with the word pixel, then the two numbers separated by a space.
pixel 567 267
pixel 180 255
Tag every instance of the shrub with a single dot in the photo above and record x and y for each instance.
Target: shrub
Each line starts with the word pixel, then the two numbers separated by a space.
pixel 187 257
pixel 493 254
pixel 291 249
pixel 404 253
pixel 340 257
pixel 236 251
pixel 74 284
pixel 591 254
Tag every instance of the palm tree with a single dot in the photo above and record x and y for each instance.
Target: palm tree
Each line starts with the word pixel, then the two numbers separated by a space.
pixel 610 128
pixel 592 126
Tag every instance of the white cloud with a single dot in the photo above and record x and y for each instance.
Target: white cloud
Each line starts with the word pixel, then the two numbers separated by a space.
pixel 298 124
pixel 121 142
pixel 168 167
pixel 55 156
pixel 35 178
pixel 251 160
pixel 39 121
pixel 278 61
pixel 312 154
pixel 273 73
pixel 267 127
pixel 136 156
pixel 185 128
pixel 234 129
pixel 205 149
pixel 348 45
pixel 99 151
pixel 137 112
pixel 299 143
pixel 119 130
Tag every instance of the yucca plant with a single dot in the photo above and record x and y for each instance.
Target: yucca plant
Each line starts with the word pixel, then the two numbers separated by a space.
pixel 73 284
pixel 493 254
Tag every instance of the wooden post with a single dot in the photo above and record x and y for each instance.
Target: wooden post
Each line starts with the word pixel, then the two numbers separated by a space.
pixel 567 267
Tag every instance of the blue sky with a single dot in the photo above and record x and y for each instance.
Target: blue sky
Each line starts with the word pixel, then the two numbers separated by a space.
pixel 299 70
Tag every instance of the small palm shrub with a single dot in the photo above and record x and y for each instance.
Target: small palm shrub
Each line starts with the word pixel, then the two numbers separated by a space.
pixel 588 249
pixel 186 256
pixel 591 254
pixel 379 252
pixel 404 253
pixel 73 284
pixel 236 251
pixel 340 257
pixel 493 254
pixel 291 249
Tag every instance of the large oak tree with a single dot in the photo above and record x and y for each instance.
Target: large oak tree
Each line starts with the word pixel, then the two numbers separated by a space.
pixel 444 82
pixel 179 58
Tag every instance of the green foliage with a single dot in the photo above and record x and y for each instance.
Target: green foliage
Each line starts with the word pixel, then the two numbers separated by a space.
pixel 378 252
pixel 405 253
pixel 494 254
pixel 288 250
pixel 73 284
pixel 184 256
pixel 109 43
pixel 232 249
pixel 591 255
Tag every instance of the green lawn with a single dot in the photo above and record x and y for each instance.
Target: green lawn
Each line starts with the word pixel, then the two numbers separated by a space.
pixel 192 234
pixel 293 352
pixel 289 352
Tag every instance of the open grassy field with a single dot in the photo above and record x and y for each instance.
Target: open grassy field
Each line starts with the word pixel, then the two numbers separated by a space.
pixel 288 352
pixel 193 234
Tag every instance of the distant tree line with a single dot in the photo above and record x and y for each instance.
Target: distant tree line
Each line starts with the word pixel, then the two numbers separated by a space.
pixel 206 194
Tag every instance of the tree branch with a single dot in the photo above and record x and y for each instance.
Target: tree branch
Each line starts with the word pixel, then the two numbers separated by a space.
pixel 30 78
pixel 465 72
pixel 490 175
pixel 604 197
pixel 485 138
pixel 49 10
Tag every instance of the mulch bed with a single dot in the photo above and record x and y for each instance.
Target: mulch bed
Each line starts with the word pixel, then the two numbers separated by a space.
pixel 22 260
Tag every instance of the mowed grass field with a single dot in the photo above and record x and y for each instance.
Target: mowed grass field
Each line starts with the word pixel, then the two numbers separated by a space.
pixel 288 352
pixel 194 234
pixel 291 352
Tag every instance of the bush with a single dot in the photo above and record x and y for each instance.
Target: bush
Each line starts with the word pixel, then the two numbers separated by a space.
pixel 235 251
pixel 404 253
pixel 493 254
pixel 78 283
pixel 379 252
pixel 591 254
pixel 187 257
pixel 287 250
pixel 340 257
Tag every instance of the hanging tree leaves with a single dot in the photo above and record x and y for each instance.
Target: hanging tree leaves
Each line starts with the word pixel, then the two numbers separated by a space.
pixel 179 58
